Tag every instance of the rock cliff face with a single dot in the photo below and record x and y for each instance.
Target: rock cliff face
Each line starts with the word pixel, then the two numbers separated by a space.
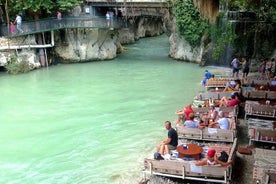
pixel 181 50
pixel 179 47
pixel 82 45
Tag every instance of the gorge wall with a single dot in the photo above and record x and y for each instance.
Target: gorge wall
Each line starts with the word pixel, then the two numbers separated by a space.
pixel 82 45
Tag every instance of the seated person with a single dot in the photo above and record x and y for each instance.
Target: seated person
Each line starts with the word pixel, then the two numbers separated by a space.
pixel 222 122
pixel 225 102
pixel 184 114
pixel 170 143
pixel 180 120
pixel 192 123
pixel 211 159
pixel 233 85
pixel 212 114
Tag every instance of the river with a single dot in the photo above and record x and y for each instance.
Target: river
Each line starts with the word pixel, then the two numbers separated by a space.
pixel 92 122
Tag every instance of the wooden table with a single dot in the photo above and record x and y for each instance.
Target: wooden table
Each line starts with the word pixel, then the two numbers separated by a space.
pixel 192 151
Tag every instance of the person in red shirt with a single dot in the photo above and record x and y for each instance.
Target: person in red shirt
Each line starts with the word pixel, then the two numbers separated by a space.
pixel 225 102
pixel 184 114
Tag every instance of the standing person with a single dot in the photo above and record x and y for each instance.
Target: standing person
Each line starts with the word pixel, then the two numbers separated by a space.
pixel 235 64
pixel 170 143
pixel 107 16
pixel 245 68
pixel 262 67
pixel 206 77
pixel 273 67
pixel 268 68
pixel 59 15
pixel 111 16
pixel 12 28
pixel 18 22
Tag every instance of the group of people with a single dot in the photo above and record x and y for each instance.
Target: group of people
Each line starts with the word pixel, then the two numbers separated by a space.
pixel 214 118
pixel 18 23
pixel 186 117
pixel 171 143
pixel 109 18
pixel 268 68
pixel 244 65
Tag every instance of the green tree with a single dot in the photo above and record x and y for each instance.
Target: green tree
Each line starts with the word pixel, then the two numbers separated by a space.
pixel 36 8
pixel 263 30
pixel 190 24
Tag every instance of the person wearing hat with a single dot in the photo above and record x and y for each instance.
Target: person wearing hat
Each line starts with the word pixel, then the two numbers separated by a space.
pixel 211 159
pixel 222 122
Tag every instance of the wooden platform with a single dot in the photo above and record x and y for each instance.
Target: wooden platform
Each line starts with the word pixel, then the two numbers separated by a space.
pixel 179 168
pixel 264 169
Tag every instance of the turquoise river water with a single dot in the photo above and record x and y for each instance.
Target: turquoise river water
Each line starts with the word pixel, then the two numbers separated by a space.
pixel 91 123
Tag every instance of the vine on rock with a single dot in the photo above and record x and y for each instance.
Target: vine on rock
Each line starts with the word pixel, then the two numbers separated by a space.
pixel 191 25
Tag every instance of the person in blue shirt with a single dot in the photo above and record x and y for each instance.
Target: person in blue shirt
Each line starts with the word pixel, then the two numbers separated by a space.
pixel 207 76
pixel 191 123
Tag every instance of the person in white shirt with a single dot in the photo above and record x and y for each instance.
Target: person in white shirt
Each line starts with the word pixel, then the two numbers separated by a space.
pixel 222 122
pixel 18 22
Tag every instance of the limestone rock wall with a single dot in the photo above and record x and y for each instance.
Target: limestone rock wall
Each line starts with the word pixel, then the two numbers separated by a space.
pixel 140 28
pixel 21 54
pixel 181 50
pixel 82 45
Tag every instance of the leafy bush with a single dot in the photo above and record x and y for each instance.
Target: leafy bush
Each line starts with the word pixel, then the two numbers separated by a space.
pixel 191 25
pixel 15 67
pixel 221 36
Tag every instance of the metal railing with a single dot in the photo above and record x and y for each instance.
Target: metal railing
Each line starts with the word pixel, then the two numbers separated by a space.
pixel 45 25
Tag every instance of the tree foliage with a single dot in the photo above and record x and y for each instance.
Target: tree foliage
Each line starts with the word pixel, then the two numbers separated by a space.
pixel 190 24
pixel 38 6
pixel 221 37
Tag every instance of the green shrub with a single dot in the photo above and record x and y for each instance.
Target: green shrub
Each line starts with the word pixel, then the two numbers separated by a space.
pixel 15 67
pixel 190 24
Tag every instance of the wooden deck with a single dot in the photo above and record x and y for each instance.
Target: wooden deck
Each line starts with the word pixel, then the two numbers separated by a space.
pixel 179 168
